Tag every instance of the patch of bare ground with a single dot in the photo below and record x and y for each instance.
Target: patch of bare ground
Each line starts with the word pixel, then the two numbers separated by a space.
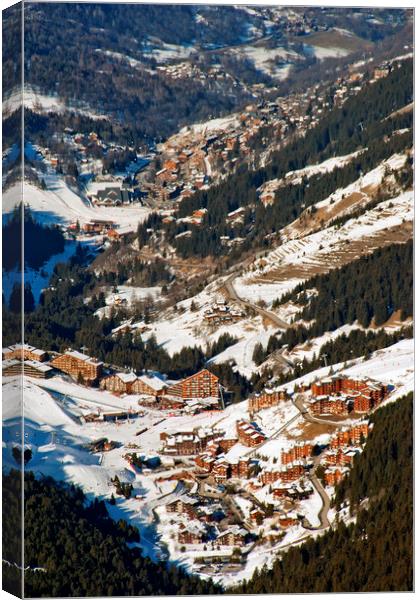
pixel 336 39
pixel 401 111
pixel 308 431
pixel 393 321
pixel 310 222
pixel 341 254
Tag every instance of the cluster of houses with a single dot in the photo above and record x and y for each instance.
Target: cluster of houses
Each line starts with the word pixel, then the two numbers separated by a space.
pixel 200 391
pixel 221 312
pixel 338 395
pixel 266 399
pixel 214 461
pixel 188 443
pixel 96 227
pixel 285 473
pixel 200 523
pixel 343 447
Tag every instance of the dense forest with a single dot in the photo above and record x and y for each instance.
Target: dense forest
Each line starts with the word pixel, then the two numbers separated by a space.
pixel 73 548
pixel 41 242
pixel 374 554
pixel 368 289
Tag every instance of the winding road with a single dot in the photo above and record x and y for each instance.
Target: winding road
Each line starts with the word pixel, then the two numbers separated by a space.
pixel 233 295
pixel 326 500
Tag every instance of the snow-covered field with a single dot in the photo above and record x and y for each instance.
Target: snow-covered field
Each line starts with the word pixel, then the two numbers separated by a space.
pixel 185 327
pixel 39 102
pixel 58 204
pixel 265 59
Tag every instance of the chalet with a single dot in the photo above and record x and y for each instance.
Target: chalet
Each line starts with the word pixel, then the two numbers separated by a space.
pixel 221 470
pixel 288 520
pixel 98 226
pixel 256 516
pixel 120 383
pixel 122 329
pixel 200 385
pixel 31 368
pixel 112 196
pixel 78 365
pixel 234 536
pixel 235 215
pixel 248 434
pixel 184 505
pixel 149 386
pixel 205 462
pixel 24 352
pixel 191 533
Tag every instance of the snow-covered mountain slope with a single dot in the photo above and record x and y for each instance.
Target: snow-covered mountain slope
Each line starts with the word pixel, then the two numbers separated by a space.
pixel 393 365
pixel 59 204
pixel 389 222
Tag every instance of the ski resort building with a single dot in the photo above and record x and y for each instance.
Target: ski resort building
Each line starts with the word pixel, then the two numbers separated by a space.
pixel 248 434
pixel 234 536
pixel 200 385
pixel 334 476
pixel 186 443
pixel 286 474
pixel 351 436
pixel 78 365
pixel 184 505
pixel 300 450
pixel 24 352
pixel 267 399
pixel 32 368
pixel 149 386
pixel 120 383
pixel 129 383
pixel 330 405
pixel 191 533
